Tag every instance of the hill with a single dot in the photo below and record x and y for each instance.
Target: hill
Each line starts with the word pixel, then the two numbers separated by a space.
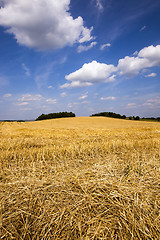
pixel 88 122
pixel 80 178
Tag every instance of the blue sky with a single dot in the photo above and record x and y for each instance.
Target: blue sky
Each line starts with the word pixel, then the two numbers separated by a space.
pixel 84 56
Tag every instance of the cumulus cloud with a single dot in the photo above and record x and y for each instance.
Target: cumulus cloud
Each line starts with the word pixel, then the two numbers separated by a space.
pixel 51 101
pixel 69 105
pixel 131 105
pixel 86 35
pixel 63 94
pixel 22 103
pixel 131 65
pixel 151 75
pixel 82 48
pixel 147 104
pixel 89 74
pixel 152 103
pixel 95 72
pixel 7 95
pixel 108 98
pixel 135 53
pixel 85 102
pixel 146 58
pixel 26 109
pixel 84 96
pixel 152 54
pixel 56 29
pixel 30 97
pixel 103 46
pixel 76 84
pixel 155 100
pixel 112 78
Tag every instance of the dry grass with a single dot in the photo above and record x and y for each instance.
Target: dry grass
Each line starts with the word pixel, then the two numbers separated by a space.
pixel 80 178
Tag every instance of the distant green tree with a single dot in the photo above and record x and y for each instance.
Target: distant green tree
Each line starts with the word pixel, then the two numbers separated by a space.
pixel 55 115
pixel 109 114
pixel 137 118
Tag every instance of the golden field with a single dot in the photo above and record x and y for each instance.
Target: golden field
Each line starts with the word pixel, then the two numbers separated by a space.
pixel 80 179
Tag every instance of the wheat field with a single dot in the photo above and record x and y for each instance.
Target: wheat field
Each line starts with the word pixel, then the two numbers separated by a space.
pixel 80 179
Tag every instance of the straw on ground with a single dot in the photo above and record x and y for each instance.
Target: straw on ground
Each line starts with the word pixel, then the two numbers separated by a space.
pixel 82 178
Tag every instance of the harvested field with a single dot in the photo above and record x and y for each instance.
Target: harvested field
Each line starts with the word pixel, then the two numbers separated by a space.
pixel 80 179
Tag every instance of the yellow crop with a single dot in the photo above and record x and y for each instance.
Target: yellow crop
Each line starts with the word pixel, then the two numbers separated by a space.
pixel 80 178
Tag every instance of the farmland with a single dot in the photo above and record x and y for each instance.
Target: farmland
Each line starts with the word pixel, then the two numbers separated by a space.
pixel 80 178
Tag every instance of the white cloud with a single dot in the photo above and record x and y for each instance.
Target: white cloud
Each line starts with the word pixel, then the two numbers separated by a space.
pixel 89 74
pixel 63 60
pixel 142 28
pixel 26 109
pixel 69 105
pixel 108 98
pixel 86 35
pixel 26 69
pixel 51 101
pixel 82 48
pixel 146 58
pixel 76 84
pixel 147 104
pixel 135 53
pixel 7 95
pixel 56 29
pixel 152 103
pixel 103 46
pixel 155 100
pixel 112 78
pixel 99 5
pixel 131 66
pixel 152 54
pixel 22 104
pixel 151 75
pixel 84 96
pixel 30 97
pixel 131 105
pixel 49 87
pixel 95 72
pixel 85 102
pixel 63 94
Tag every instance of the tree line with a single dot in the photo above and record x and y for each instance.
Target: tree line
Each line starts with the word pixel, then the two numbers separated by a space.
pixel 115 115
pixel 103 114
pixel 55 115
